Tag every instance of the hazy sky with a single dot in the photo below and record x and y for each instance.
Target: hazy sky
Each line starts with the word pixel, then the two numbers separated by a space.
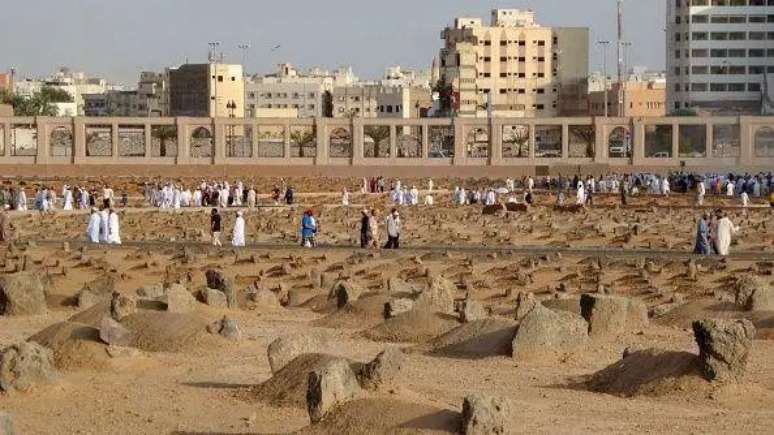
pixel 118 38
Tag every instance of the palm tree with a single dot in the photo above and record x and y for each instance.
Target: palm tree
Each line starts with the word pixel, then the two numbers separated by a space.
pixel 164 133
pixel 303 137
pixel 378 133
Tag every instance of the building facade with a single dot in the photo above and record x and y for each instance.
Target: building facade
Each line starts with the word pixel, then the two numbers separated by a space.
pixel 149 99
pixel 718 53
pixel 207 90
pixel 630 99
pixel 77 84
pixel 513 67
pixel 379 101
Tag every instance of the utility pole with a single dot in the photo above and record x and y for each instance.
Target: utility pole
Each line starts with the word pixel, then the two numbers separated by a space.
pixel 604 45
pixel 244 47
pixel 626 45
pixel 213 60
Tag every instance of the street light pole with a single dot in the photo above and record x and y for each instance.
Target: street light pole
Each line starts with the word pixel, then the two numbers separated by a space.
pixel 623 79
pixel 244 48
pixel 212 58
pixel 605 45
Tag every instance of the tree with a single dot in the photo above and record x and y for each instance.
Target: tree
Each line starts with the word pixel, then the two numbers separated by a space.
pixel 518 135
pixel 164 133
pixel 303 137
pixel 39 104
pixel 378 133
pixel 588 134
pixel 446 96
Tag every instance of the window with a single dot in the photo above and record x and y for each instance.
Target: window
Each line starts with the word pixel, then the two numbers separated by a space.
pixel 736 87
pixel 719 19
pixel 540 91
pixel 220 79
pixel 757 52
pixel 756 69
pixel 737 36
pixel 719 36
pixel 697 69
pixel 737 19
pixel 487 59
pixel 541 43
pixel 737 69
pixel 702 52
pixel 696 36
pixel 737 52
pixel 718 87
pixel 503 59
pixel 756 19
pixel 698 87
pixel 677 54
pixel 700 19
pixel 718 52
pixel 753 87
pixel 757 36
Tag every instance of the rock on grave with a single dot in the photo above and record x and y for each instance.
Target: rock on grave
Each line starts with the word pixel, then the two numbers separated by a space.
pixel 612 314
pixel 484 415
pixel 215 279
pixel 544 332
pixel 344 293
pixel 285 349
pixel 87 299
pixel 397 306
pixel 22 294
pixel 214 298
pixel 754 294
pixel 179 299
pixel 439 296
pixel 113 333
pixel 724 347
pixel 122 306
pixel 383 369
pixel 6 424
pixel 265 298
pixel 227 328
pixel 525 303
pixel 331 385
pixel 472 310
pixel 151 291
pixel 24 365
pixel 493 209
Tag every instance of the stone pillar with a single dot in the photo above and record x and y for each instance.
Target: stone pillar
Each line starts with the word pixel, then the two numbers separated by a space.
pixel 460 153
pixel 747 141
pixel 183 141
pixel 638 142
pixel 43 132
pixel 425 140
pixel 565 141
pixel 114 140
pixel 6 137
pixel 357 141
pixel 710 135
pixel 676 142
pixel 148 130
pixel 254 140
pixel 286 151
pixel 532 141
pixel 496 143
pixel 219 137
pixel 393 143
pixel 323 152
pixel 601 151
pixel 79 140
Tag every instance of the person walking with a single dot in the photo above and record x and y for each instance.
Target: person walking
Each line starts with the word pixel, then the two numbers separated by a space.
pixel 215 227
pixel 393 224
pixel 308 229
pixel 238 236
pixel 365 230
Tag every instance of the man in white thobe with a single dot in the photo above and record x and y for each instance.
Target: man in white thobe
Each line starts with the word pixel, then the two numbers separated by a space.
pixel 114 228
pixel 581 195
pixel 345 197
pixel 238 237
pixel 730 188
pixel 491 198
pixel 251 197
pixel 92 231
pixel 104 226
pixel 68 199
pixel 725 229
pixel 414 195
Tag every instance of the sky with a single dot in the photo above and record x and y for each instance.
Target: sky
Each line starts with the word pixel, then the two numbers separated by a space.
pixel 117 39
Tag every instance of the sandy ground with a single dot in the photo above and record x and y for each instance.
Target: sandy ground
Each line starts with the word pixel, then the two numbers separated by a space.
pixel 208 387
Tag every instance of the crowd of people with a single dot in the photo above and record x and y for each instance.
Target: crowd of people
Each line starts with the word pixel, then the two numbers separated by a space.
pixel 714 230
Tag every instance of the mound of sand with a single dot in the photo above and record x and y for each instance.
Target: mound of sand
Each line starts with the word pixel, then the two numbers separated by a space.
pixel 651 372
pixel 415 326
pixel 478 339
pixel 162 331
pixel 287 388
pixel 386 416
pixel 75 346
pixel 364 313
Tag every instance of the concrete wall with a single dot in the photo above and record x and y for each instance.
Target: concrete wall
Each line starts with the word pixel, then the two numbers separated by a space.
pixel 460 146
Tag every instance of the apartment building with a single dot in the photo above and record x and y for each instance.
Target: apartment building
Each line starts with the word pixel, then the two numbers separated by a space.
pixel 630 99
pixel 76 84
pixel 207 90
pixel 148 100
pixel 291 91
pixel 718 54
pixel 512 68
pixel 378 101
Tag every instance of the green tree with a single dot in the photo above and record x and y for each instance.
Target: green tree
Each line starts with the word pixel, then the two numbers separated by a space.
pixel 164 133
pixel 39 104
pixel 378 133
pixel 55 95
pixel 303 137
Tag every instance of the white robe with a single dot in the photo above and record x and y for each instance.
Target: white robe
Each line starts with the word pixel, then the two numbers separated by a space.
pixel 238 237
pixel 345 199
pixel 725 230
pixel 104 226
pixel 92 231
pixel 197 198
pixel 429 200
pixel 430 185
pixel 490 198
pixel 730 189
pixel 21 201
pixel 581 196
pixel 414 194
pixel 68 200
pixel 114 230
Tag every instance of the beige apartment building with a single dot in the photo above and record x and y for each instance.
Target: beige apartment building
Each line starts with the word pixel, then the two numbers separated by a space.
pixel 634 99
pixel 521 68
pixel 207 90
pixel 379 101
